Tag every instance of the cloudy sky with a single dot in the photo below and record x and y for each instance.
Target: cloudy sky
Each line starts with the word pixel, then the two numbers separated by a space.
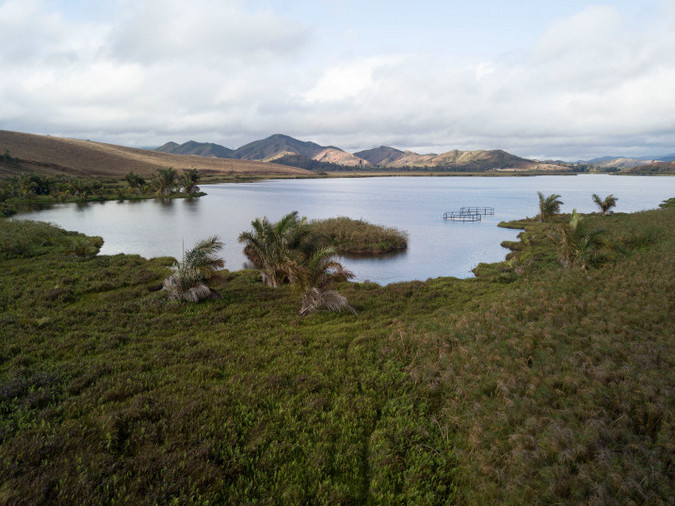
pixel 568 79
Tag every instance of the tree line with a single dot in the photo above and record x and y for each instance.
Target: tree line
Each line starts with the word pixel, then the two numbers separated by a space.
pixel 163 183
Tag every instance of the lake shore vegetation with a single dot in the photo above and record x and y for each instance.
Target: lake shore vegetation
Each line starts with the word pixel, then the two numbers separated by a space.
pixel 34 189
pixel 531 383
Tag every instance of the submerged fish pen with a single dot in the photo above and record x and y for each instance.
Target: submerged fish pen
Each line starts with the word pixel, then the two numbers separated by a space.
pixel 478 210
pixel 460 216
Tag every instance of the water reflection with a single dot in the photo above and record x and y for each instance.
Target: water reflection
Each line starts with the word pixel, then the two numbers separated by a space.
pixel 382 257
pixel 191 205
pixel 164 202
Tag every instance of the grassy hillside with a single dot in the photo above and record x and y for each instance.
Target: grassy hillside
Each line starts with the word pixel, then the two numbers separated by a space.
pixel 275 144
pixel 655 168
pixel 196 148
pixel 55 155
pixel 530 384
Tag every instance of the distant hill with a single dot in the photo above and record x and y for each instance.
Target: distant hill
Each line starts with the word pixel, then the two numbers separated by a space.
pixel 389 157
pixel 382 156
pixel 287 150
pixel 654 168
pixel 619 163
pixel 666 158
pixel 276 145
pixel 56 155
pixel 601 159
pixel 338 157
pixel 622 162
pixel 196 148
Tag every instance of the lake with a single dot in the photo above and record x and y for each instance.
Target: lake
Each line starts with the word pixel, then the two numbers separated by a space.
pixel 414 204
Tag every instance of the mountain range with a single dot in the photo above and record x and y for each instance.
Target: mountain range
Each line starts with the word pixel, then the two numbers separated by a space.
pixel 61 156
pixel 286 150
pixel 624 162
pixel 278 155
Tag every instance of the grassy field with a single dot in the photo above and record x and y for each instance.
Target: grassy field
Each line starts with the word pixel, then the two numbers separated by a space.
pixel 531 384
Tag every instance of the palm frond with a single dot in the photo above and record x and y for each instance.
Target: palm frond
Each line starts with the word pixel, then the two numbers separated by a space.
pixel 548 206
pixel 198 265
pixel 606 204
pixel 315 299
pixel 270 247
pixel 579 247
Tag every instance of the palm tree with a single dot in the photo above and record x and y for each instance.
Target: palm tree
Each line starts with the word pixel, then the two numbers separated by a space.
pixel 579 247
pixel 315 277
pixel 135 181
pixel 165 179
pixel 548 206
pixel 198 266
pixel 27 185
pixel 271 248
pixel 188 181
pixel 605 205
pixel 81 188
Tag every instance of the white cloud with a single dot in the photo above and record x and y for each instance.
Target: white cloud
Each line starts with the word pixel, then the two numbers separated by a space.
pixel 219 71
pixel 347 80
pixel 209 31
pixel 590 76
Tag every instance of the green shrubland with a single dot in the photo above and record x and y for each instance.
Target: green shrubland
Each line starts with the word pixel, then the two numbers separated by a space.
pixel 531 383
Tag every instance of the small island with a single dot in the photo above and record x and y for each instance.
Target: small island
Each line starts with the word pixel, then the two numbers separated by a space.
pixel 358 237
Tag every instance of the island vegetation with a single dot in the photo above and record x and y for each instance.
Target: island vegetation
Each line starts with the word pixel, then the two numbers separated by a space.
pixel 358 237
pixel 546 379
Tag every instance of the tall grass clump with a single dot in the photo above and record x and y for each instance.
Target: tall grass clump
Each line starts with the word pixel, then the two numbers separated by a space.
pixel 347 235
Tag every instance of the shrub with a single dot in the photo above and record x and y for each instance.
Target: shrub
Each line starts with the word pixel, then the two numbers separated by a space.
pixel 198 266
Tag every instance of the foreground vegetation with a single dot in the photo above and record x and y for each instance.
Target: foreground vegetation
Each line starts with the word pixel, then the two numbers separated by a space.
pixel 533 383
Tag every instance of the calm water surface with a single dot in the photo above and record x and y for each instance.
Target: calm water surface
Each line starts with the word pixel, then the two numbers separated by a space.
pixel 414 204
